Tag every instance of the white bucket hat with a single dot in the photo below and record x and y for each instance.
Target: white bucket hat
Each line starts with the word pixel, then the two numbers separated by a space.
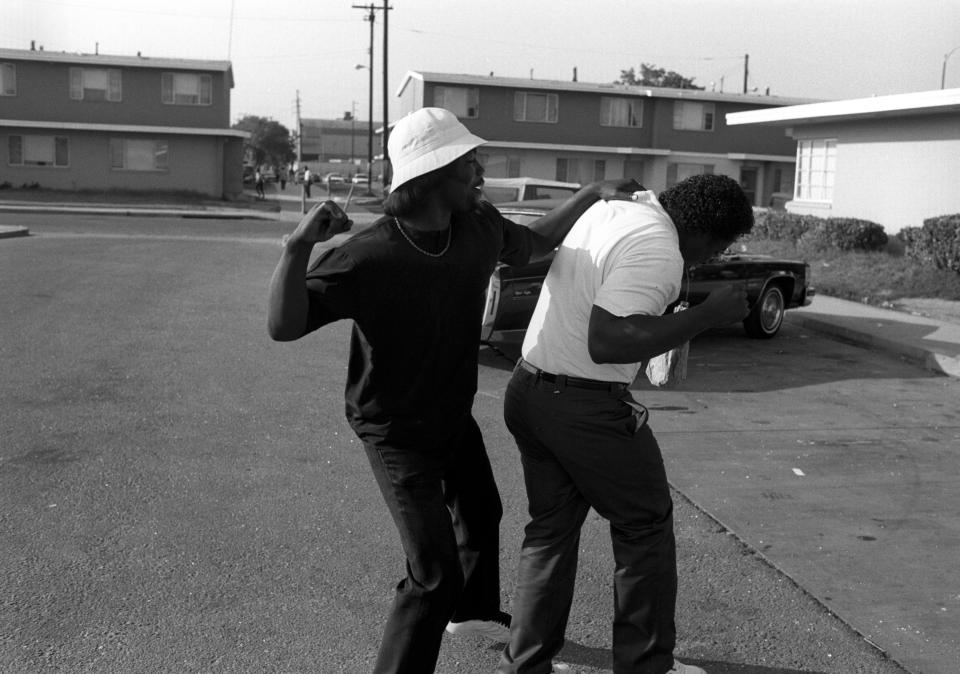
pixel 425 140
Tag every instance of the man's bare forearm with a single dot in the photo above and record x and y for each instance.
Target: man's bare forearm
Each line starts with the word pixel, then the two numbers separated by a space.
pixel 632 339
pixel 289 303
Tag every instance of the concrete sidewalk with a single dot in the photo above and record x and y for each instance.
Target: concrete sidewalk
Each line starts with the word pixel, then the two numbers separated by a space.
pixel 931 343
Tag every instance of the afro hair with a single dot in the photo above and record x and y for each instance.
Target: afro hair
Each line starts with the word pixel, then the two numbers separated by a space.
pixel 709 204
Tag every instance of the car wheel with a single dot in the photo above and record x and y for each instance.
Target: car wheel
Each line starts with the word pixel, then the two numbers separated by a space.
pixel 765 319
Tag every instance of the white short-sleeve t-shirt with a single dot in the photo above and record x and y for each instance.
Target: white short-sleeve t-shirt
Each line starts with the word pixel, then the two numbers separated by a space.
pixel 622 256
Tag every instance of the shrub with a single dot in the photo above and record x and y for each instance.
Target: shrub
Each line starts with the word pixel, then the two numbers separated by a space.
pixel 936 243
pixel 781 225
pixel 845 234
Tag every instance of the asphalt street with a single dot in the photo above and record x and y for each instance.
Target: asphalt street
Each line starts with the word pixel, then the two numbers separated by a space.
pixel 180 494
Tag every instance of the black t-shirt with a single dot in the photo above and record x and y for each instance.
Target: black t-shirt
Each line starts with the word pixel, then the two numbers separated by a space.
pixel 412 374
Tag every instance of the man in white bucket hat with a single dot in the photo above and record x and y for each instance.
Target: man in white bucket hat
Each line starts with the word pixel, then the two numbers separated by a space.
pixel 413 284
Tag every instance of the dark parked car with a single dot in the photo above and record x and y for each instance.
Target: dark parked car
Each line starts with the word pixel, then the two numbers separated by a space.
pixel 773 285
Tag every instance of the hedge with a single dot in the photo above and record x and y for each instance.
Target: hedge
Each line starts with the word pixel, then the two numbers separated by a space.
pixel 781 225
pixel 845 234
pixel 818 233
pixel 936 243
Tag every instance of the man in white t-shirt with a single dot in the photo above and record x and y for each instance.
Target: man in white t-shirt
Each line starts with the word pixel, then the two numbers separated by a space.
pixel 584 442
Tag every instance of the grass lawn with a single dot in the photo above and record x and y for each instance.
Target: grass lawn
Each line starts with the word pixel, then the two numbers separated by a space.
pixel 873 278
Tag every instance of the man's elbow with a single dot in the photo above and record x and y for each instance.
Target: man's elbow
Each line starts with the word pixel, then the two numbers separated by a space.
pixel 600 351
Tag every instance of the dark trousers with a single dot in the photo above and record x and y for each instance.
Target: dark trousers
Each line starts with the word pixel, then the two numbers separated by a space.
pixel 581 449
pixel 447 509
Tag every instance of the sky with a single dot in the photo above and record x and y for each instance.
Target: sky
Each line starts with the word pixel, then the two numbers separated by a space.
pixel 310 49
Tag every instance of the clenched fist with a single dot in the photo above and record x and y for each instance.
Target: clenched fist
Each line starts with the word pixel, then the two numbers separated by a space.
pixel 321 223
pixel 727 304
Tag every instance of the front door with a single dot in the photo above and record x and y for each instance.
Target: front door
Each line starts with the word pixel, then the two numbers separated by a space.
pixel 748 181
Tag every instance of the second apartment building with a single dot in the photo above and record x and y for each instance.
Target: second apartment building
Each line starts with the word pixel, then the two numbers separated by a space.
pixel 102 122
pixel 580 132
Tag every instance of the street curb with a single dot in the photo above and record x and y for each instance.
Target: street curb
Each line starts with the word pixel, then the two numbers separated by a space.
pixel 147 212
pixel 926 358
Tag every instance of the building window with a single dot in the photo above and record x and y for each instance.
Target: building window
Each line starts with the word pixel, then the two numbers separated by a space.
pixel 464 102
pixel 568 169
pixel 816 165
pixel 620 112
pixel 186 89
pixel 689 116
pixel 679 172
pixel 39 151
pixel 95 84
pixel 8 79
pixel 533 107
pixel 138 155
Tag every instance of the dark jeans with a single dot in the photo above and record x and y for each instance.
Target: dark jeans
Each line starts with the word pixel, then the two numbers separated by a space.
pixel 447 509
pixel 581 449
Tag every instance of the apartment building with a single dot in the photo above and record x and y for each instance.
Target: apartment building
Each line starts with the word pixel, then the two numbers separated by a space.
pixel 579 132
pixel 99 122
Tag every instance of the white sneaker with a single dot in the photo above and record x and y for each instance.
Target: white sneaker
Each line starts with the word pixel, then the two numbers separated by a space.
pixel 497 628
pixel 680 668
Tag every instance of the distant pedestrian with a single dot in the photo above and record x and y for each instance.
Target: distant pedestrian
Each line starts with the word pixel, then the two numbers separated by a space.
pixel 258 178
pixel 307 179
pixel 282 176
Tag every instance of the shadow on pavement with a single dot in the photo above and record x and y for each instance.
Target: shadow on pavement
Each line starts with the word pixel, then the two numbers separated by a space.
pixel 600 658
pixel 725 360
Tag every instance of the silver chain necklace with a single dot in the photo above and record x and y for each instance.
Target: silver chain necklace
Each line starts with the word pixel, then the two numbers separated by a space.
pixel 426 252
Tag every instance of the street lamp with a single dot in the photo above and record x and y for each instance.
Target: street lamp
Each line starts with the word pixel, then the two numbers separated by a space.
pixel 369 120
pixel 943 72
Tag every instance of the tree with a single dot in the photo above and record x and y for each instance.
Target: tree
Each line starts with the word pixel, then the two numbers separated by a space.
pixel 270 142
pixel 652 76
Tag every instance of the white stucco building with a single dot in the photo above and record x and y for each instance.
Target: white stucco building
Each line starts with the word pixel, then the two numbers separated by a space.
pixel 893 160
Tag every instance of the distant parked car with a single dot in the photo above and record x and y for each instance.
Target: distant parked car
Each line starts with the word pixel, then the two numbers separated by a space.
pixel 248 174
pixel 361 179
pixel 334 179
pixel 773 285
pixel 505 190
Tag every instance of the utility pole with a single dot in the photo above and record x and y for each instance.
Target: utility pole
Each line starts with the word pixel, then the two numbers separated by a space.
pixel 370 17
pixel 746 71
pixel 943 71
pixel 353 133
pixel 303 194
pixel 372 9
pixel 386 97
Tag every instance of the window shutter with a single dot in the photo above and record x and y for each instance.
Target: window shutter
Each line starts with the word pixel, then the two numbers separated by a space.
pixel 160 155
pixel 114 91
pixel 16 149
pixel 61 151
pixel 76 84
pixel 8 78
pixel 166 87
pixel 519 99
pixel 206 90
pixel 116 153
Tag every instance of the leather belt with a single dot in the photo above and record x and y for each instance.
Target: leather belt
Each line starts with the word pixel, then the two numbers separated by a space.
pixel 576 382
